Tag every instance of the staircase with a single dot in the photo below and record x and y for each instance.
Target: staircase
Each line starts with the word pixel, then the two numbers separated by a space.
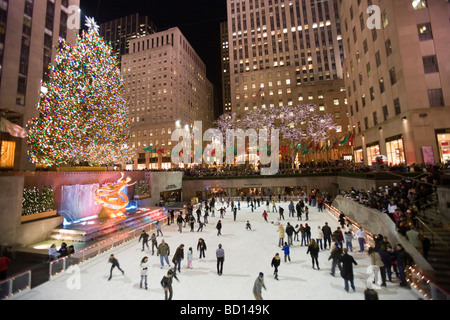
pixel 437 228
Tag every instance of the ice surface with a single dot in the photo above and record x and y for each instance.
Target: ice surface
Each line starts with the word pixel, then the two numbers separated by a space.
pixel 246 254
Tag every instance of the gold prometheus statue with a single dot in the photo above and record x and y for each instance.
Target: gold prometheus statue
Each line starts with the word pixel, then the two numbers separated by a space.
pixel 112 198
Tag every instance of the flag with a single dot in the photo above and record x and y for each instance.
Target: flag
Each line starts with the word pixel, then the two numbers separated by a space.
pixel 351 139
pixel 344 140
pixel 259 93
pixel 336 143
pixel 298 146
pixel 150 149
pixel 12 129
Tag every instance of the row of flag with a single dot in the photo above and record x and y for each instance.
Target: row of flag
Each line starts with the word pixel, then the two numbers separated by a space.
pixel 346 140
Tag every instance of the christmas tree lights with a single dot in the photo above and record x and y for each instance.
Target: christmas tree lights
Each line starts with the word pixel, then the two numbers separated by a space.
pixel 83 115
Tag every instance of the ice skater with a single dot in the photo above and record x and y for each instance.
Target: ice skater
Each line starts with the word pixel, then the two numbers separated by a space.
pixel 144 271
pixel 248 226
pixel 287 252
pixel 189 258
pixel 163 253
pixel 166 283
pixel 265 215
pixel 258 286
pixel 201 246
pixel 276 263
pixel 313 250
pixel 219 228
pixel 220 255
pixel 154 243
pixel 115 263
pixel 158 229
pixel 177 257
pixel 144 236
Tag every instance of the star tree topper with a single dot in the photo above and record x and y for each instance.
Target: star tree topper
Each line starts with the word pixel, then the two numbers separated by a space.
pixel 91 24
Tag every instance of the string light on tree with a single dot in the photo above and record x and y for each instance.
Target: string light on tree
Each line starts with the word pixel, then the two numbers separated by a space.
pixel 83 115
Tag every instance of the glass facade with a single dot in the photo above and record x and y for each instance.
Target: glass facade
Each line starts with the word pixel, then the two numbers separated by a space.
pixel 395 151
pixel 444 146
pixel 372 152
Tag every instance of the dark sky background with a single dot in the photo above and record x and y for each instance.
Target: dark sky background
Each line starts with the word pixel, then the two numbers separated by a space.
pixel 198 20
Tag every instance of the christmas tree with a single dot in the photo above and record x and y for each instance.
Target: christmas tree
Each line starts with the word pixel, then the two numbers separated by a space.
pixel 83 115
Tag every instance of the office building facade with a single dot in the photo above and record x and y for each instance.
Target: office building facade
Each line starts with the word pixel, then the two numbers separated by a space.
pixel 29 35
pixel 166 89
pixel 398 79
pixel 286 52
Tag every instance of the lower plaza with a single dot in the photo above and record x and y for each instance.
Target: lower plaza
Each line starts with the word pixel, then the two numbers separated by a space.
pixel 393 216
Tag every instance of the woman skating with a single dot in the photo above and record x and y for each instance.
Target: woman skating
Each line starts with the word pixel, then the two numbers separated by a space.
pixel 313 250
pixel 177 257
pixel 144 270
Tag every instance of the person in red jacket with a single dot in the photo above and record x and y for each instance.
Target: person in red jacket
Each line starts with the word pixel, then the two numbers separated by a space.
pixel 4 263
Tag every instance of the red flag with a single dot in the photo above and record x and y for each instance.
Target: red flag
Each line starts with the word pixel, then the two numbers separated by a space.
pixel 351 139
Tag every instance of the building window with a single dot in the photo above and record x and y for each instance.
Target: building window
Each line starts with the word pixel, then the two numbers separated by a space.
pixel 372 152
pixel 425 32
pixel 436 98
pixel 385 112
pixel 388 47
pixel 444 146
pixel 430 64
pixel 382 87
pixel 419 4
pixel 393 76
pixel 397 106
pixel 395 151
pixel 21 90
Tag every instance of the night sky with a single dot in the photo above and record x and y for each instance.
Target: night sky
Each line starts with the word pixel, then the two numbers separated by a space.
pixel 198 20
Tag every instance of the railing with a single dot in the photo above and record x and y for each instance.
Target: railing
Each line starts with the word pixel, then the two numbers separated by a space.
pixel 16 284
pixel 417 280
pixel 62 264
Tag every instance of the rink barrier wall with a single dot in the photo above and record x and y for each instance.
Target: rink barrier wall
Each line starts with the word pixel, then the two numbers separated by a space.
pixel 61 265
pixel 421 275
pixel 15 285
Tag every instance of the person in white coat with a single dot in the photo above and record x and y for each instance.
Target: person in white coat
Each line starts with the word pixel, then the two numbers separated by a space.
pixel 319 237
pixel 143 266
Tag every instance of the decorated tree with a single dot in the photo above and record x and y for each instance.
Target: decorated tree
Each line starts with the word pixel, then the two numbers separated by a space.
pixel 293 123
pixel 83 115
pixel 319 130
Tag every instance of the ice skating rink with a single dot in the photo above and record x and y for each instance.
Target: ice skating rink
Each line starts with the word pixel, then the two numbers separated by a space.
pixel 246 254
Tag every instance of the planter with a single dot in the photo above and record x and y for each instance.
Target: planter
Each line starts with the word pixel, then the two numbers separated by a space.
pixel 39 216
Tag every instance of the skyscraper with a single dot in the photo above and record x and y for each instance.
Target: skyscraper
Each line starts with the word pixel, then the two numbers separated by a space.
pixel 166 89
pixel 285 52
pixel 225 60
pixel 29 34
pixel 398 79
pixel 119 32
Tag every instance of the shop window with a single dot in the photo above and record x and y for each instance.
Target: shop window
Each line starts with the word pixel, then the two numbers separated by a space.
pixel 395 151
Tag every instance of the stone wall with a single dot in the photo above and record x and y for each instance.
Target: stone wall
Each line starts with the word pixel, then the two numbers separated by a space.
pixel 380 223
pixel 15 233
pixel 333 184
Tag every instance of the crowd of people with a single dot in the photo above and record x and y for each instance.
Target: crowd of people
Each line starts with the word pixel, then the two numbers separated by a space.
pixel 402 202
pixel 332 166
